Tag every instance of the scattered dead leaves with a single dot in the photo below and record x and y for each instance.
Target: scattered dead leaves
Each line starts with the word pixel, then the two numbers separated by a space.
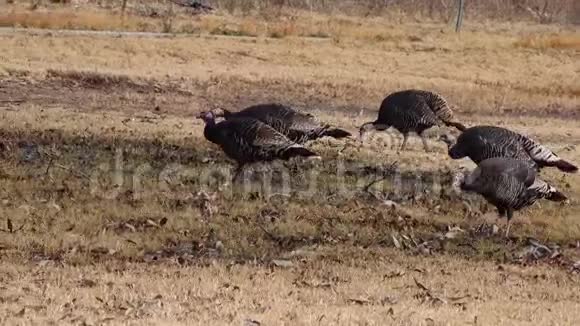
pixel 427 295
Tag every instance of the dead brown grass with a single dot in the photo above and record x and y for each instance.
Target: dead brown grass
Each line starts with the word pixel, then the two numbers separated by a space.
pixel 69 19
pixel 299 24
pixel 550 42
pixel 267 20
pixel 324 287
pixel 72 254
pixel 443 10
pixel 471 71
pixel 556 11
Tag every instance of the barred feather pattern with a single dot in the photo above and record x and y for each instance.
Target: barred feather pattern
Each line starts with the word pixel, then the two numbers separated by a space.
pixel 544 156
pixel 438 105
pixel 297 126
pixel 504 190
pixel 509 183
pixel 249 140
pixel 416 110
pixel 483 142
pixel 536 151
pixel 542 188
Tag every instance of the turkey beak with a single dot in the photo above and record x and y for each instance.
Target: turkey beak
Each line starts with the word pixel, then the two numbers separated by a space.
pixel 201 115
pixel 361 134
pixel 364 129
pixel 219 112
pixel 447 140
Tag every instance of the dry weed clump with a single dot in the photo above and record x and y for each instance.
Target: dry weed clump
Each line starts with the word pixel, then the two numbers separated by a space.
pixel 89 79
pixel 286 22
pixel 273 18
pixel 68 19
pixel 300 25
pixel 443 10
pixel 563 42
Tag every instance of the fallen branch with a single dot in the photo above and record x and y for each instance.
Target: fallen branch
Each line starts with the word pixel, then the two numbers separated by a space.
pixel 193 4
pixel 78 174
pixel 270 235
pixel 12 101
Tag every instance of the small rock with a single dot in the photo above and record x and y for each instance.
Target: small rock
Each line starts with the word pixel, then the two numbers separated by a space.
pixel 360 301
pixel 54 206
pixel 396 242
pixel 130 227
pixel 282 263
pixel 151 223
pixel 453 233
pixel 390 204
pixel 251 322
pixel 424 250
pixel 219 246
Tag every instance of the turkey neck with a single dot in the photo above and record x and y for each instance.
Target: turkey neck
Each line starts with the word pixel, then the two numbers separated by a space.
pixel 210 130
pixel 227 114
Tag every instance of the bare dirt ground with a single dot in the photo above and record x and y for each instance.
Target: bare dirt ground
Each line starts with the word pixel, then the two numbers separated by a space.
pixel 105 221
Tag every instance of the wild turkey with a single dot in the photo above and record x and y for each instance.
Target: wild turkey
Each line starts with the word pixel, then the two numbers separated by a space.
pixel 412 111
pixel 297 126
pixel 483 142
pixel 507 183
pixel 248 140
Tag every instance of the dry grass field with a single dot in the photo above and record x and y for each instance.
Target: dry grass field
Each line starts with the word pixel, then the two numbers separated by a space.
pixel 115 210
